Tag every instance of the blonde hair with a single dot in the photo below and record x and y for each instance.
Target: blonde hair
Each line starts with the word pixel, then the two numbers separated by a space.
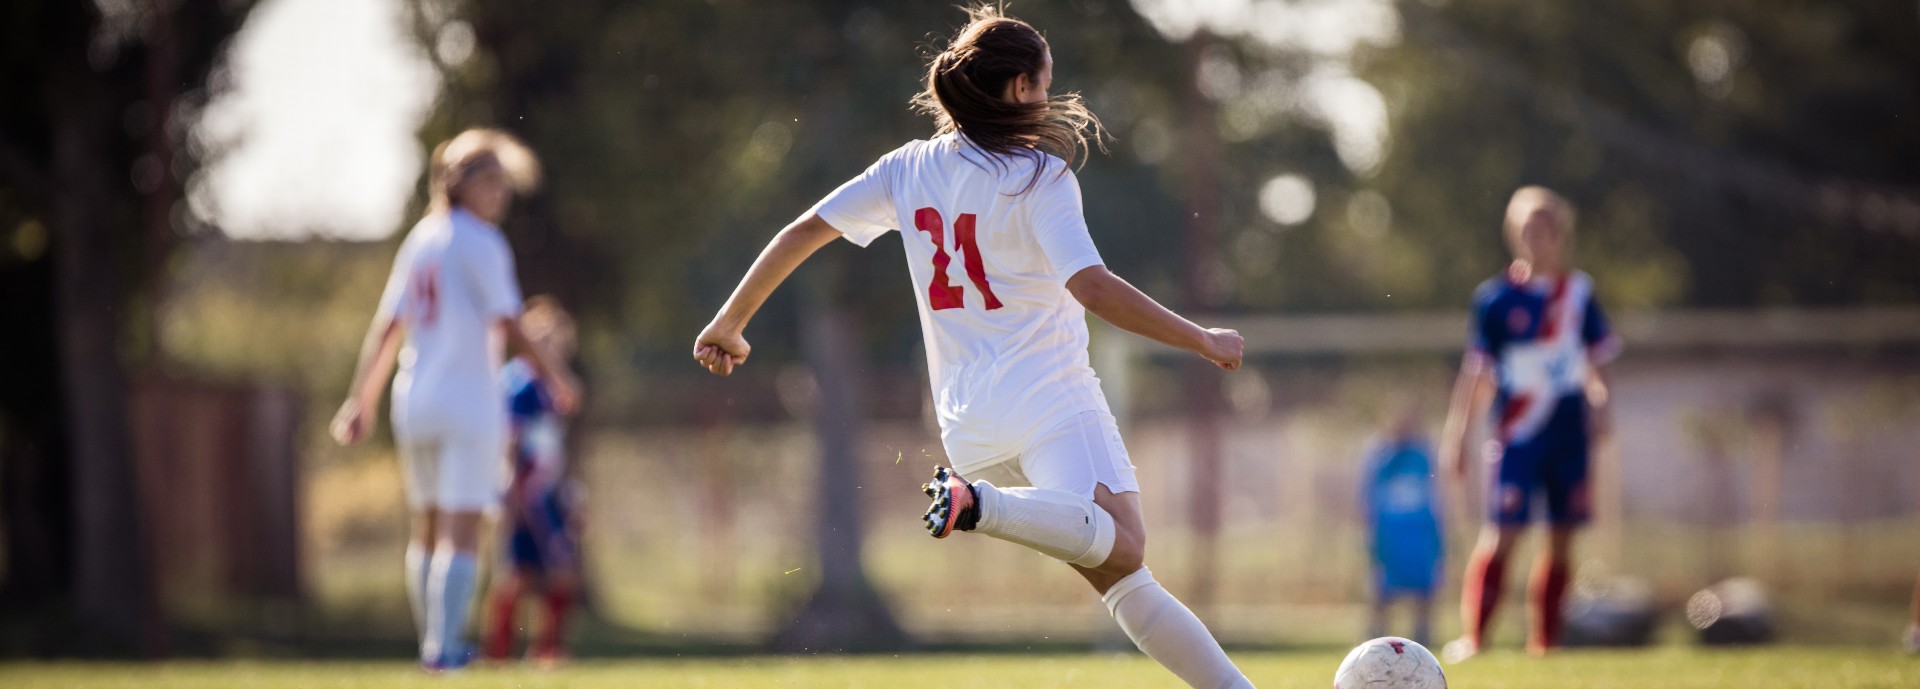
pixel 1531 198
pixel 456 160
pixel 549 323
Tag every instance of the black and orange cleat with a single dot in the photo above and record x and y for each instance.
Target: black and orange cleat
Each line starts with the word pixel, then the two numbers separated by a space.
pixel 954 503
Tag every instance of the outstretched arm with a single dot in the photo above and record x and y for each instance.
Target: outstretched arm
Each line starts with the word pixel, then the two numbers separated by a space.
pixel 1117 302
pixel 1470 393
pixel 378 352
pixel 720 346
pixel 552 371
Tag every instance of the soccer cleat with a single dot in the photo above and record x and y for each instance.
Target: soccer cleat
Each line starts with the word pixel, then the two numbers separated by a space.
pixel 497 652
pixel 1913 638
pixel 548 659
pixel 448 662
pixel 1459 650
pixel 954 503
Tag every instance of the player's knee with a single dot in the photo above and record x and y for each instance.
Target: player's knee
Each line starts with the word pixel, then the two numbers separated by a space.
pixel 1128 556
pixel 460 530
pixel 1501 540
pixel 1560 545
pixel 563 583
pixel 426 526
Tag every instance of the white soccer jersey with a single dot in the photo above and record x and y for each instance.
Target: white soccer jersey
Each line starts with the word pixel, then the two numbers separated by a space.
pixel 452 281
pixel 1006 343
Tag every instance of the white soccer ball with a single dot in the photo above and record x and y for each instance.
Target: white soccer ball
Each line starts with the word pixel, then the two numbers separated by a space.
pixel 1390 662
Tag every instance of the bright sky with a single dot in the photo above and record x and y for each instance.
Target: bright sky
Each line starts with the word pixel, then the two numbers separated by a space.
pixel 1329 32
pixel 316 137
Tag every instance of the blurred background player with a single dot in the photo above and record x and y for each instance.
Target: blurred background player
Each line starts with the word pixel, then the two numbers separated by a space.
pixel 1403 519
pixel 1004 316
pixel 541 553
pixel 452 297
pixel 1538 344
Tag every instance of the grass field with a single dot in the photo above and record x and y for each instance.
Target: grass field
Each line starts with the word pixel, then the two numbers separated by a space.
pixel 1666 668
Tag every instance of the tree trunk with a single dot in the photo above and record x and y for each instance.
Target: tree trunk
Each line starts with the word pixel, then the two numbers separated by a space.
pixel 1202 204
pixel 113 592
pixel 36 508
pixel 845 612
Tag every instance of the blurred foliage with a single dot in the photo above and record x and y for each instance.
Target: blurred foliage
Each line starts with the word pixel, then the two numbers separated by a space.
pixel 681 135
pixel 1738 154
pixel 1742 154
pixel 275 313
pixel 1723 154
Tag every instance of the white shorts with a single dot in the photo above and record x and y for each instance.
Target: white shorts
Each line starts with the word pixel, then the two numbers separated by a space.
pixel 1075 456
pixel 456 472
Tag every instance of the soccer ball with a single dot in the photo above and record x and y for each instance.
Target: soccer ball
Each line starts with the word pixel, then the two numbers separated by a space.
pixel 1390 662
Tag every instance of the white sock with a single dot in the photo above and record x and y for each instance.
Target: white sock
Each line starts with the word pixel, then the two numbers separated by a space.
pixel 1057 523
pixel 417 588
pixel 1170 634
pixel 449 592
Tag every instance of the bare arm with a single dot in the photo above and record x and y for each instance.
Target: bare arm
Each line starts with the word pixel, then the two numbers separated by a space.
pixel 1471 392
pixel 1117 302
pixel 378 352
pixel 720 347
pixel 1599 398
pixel 560 382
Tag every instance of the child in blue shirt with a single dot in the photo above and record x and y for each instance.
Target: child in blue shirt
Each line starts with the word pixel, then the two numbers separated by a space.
pixel 1403 523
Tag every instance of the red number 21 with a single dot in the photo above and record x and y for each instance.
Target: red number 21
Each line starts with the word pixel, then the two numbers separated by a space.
pixel 426 294
pixel 942 294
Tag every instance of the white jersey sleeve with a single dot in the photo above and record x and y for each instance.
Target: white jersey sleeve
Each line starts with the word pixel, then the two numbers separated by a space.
pixel 491 270
pixel 1059 225
pixel 862 209
pixel 393 300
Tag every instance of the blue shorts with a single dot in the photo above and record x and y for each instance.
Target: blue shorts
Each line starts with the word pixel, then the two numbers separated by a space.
pixel 1552 465
pixel 540 540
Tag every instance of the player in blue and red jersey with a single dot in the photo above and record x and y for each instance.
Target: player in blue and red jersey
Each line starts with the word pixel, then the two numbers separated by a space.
pixel 541 551
pixel 1538 344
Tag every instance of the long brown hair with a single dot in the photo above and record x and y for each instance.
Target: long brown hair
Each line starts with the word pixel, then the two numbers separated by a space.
pixel 963 88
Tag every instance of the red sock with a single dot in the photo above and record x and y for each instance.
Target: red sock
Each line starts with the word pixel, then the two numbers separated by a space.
pixel 499 645
pixel 559 603
pixel 1480 594
pixel 1546 598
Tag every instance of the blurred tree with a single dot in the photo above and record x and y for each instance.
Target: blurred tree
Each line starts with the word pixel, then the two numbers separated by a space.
pixel 91 163
pixel 1723 154
pixel 680 135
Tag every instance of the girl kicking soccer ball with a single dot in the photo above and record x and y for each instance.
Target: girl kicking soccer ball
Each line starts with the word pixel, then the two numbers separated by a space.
pixel 1004 272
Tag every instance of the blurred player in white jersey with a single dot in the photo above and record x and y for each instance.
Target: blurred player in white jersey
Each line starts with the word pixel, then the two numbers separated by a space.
pixel 450 303
pixel 1004 271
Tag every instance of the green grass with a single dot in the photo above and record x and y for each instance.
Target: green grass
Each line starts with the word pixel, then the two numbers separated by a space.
pixel 1664 668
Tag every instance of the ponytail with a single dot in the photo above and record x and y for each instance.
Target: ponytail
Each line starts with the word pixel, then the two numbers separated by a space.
pixel 964 83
